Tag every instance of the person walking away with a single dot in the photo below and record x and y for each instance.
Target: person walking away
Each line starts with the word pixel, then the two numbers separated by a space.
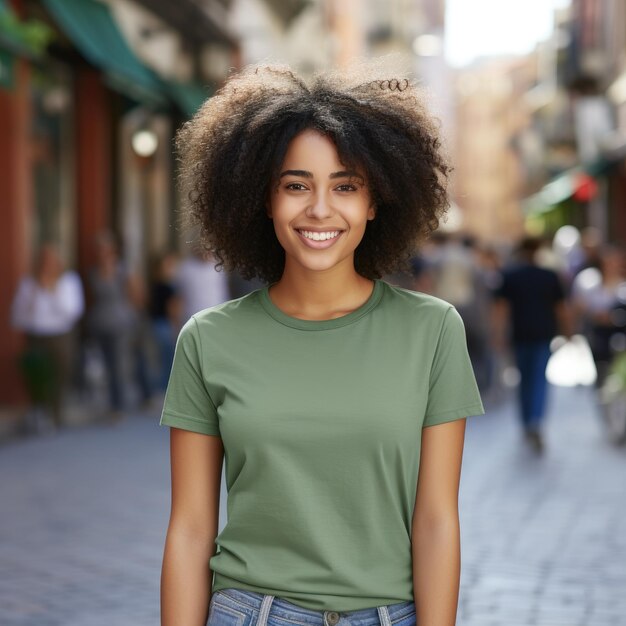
pixel 532 300
pixel 111 317
pixel 165 313
pixel 46 307
pixel 141 341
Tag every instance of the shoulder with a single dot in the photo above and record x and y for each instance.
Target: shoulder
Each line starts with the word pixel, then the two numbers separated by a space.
pixel 548 276
pixel 219 330
pixel 231 313
pixel 518 274
pixel 514 269
pixel 415 302
pixel 418 314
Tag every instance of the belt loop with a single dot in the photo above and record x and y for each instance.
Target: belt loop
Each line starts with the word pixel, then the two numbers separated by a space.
pixel 383 614
pixel 264 613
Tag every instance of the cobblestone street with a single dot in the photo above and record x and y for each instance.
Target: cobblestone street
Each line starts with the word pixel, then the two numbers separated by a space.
pixel 544 538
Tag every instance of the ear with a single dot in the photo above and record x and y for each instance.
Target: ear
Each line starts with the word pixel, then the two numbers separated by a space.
pixel 371 212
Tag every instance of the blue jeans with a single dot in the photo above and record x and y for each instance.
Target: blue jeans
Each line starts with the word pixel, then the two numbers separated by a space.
pixel 531 359
pixel 165 339
pixel 238 607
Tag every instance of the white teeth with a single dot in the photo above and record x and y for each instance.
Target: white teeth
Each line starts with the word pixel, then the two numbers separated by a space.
pixel 320 236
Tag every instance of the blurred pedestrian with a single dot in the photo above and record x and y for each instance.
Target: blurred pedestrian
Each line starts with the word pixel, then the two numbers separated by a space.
pixel 199 284
pixel 597 294
pixel 112 317
pixel 452 267
pixel 489 265
pixel 46 306
pixel 165 313
pixel 141 343
pixel 530 301
pixel 588 252
pixel 458 279
pixel 329 391
pixel 421 278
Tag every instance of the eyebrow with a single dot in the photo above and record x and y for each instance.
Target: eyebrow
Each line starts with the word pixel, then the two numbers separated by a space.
pixel 307 174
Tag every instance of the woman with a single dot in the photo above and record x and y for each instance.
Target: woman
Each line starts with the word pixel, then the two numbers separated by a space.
pixel 323 388
pixel 46 307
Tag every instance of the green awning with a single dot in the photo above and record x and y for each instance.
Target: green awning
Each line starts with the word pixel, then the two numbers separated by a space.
pixel 562 187
pixel 556 191
pixel 188 96
pixel 22 38
pixel 7 70
pixel 10 44
pixel 90 25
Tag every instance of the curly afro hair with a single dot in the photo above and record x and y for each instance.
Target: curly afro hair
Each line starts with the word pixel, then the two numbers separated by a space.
pixel 232 149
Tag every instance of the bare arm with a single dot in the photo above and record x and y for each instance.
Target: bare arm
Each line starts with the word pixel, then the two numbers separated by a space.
pixel 436 544
pixel 186 579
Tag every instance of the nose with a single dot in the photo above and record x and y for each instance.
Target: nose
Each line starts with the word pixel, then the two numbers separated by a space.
pixel 320 208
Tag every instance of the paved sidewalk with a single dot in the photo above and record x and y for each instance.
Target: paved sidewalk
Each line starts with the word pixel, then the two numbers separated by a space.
pixel 543 538
pixel 82 528
pixel 84 515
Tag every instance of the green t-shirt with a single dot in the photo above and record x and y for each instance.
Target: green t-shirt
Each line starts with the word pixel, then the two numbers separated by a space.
pixel 321 424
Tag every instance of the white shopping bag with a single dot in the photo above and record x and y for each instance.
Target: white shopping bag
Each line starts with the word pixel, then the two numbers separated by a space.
pixel 571 363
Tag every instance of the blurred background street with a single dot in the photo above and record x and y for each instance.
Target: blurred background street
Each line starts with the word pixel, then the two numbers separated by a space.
pixel 543 541
pixel 98 274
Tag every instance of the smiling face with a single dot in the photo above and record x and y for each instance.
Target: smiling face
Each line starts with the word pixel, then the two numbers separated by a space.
pixel 319 209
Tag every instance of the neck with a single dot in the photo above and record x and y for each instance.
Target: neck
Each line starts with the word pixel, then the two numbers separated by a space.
pixel 310 294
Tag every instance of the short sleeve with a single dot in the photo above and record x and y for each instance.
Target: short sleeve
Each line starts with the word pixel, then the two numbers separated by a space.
pixel 187 403
pixel 453 392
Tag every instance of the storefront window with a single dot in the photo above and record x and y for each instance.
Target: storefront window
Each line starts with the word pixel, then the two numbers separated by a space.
pixel 52 154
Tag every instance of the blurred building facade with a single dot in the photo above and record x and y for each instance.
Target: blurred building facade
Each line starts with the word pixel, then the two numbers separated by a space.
pixel 275 31
pixel 91 93
pixel 489 174
pixel 87 117
pixel 578 114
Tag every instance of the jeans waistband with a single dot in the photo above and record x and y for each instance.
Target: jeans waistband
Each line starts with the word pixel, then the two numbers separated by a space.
pixel 264 603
